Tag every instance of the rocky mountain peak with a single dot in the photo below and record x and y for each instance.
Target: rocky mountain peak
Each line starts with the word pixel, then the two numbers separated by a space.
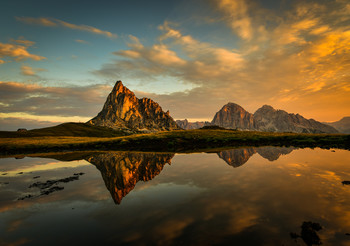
pixel 267 119
pixel 123 110
pixel 233 116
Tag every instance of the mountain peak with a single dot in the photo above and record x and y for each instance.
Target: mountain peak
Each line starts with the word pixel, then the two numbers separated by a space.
pixel 233 116
pixel 123 110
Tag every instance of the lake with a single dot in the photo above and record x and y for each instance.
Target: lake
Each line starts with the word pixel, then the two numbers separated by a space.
pixel 248 196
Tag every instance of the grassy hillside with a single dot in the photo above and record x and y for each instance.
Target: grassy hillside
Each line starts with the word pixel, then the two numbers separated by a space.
pixel 65 129
pixel 172 141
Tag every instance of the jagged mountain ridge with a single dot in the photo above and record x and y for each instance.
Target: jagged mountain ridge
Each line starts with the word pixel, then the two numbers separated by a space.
pixel 123 110
pixel 186 125
pixel 342 125
pixel 267 119
pixel 234 116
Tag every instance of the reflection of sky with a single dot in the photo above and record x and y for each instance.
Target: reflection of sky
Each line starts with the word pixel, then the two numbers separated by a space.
pixel 198 199
pixel 13 166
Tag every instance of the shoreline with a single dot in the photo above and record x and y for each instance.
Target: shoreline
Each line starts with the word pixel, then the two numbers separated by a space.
pixel 180 141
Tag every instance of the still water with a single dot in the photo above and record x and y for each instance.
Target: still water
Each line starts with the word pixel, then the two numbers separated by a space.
pixel 251 196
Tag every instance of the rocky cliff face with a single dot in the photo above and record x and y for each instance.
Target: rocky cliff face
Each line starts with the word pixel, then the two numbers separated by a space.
pixel 122 170
pixel 271 120
pixel 267 119
pixel 123 110
pixel 233 116
pixel 184 124
pixel 342 125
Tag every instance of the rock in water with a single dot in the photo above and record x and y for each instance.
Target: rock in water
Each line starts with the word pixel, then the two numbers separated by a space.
pixel 124 111
pixel 233 116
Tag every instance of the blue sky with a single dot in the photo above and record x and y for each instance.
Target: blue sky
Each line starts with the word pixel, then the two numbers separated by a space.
pixel 192 57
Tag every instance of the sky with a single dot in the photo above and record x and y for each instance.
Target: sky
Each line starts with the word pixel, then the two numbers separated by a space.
pixel 60 59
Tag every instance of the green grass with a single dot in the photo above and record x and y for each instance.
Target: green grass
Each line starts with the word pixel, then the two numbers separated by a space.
pixel 65 129
pixel 171 141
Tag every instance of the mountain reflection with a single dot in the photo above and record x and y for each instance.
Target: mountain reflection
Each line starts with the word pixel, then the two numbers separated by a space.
pixel 238 157
pixel 122 170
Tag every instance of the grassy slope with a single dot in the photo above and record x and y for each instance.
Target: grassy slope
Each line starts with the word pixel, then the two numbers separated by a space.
pixel 172 141
pixel 65 129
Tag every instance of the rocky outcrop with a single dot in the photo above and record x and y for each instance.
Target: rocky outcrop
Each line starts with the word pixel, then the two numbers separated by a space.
pixel 123 110
pixel 122 170
pixel 267 119
pixel 184 124
pixel 238 157
pixel 342 125
pixel 233 116
pixel 271 120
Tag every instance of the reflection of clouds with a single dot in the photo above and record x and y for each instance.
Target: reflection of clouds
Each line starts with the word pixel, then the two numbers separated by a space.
pixel 17 242
pixel 13 225
pixel 43 167
pixel 171 229
pixel 200 195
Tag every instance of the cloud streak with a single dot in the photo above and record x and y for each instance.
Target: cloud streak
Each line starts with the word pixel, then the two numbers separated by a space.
pixel 29 71
pixel 52 22
pixel 18 52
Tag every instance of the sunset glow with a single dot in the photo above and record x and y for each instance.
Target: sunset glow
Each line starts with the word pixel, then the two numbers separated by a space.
pixel 59 60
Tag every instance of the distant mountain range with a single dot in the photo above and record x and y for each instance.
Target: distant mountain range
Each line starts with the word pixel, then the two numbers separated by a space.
pixel 266 119
pixel 124 111
pixel 184 124
pixel 342 125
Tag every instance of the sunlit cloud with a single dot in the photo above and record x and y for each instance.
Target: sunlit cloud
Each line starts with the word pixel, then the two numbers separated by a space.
pixel 37 21
pixel 287 59
pixel 81 41
pixel 23 42
pixel 17 52
pixel 237 16
pixel 26 70
pixel 51 22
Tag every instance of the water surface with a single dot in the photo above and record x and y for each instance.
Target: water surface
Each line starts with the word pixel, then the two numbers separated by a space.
pixel 251 196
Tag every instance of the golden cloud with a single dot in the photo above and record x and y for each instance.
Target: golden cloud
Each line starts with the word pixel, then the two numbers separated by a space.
pixel 26 70
pixel 55 22
pixel 29 71
pixel 81 41
pixel 18 52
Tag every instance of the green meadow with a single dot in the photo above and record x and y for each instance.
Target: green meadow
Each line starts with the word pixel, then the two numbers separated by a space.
pixel 80 137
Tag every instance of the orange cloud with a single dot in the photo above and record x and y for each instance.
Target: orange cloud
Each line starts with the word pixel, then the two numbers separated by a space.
pixel 26 70
pixel 29 71
pixel 18 52
pixel 55 22
pixel 23 42
pixel 237 15
pixel 81 41
pixel 37 21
